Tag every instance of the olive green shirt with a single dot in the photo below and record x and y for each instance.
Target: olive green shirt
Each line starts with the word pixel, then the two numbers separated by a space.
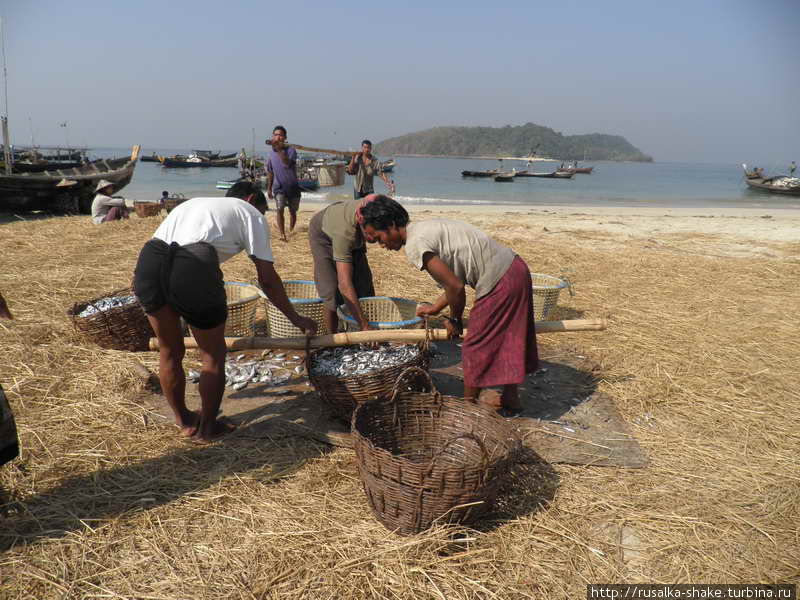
pixel 365 174
pixel 339 224
pixel 474 257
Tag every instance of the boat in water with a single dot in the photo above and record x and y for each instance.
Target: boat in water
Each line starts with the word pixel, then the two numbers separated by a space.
pixel 551 175
pixel 489 173
pixel 389 165
pixel 195 160
pixel 505 177
pixel 65 190
pixel 778 184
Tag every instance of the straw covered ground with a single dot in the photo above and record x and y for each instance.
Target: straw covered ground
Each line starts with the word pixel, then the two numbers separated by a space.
pixel 701 358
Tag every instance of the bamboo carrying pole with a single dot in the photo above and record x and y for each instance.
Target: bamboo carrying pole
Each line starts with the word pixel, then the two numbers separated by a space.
pixel 385 335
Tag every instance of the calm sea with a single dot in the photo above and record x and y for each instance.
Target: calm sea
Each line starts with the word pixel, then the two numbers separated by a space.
pixel 438 181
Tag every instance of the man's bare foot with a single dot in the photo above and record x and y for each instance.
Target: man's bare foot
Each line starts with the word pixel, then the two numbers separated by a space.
pixel 218 429
pixel 188 424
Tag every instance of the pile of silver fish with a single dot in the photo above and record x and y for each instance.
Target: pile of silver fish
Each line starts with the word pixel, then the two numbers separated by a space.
pixel 269 370
pixel 361 359
pixel 786 182
pixel 106 304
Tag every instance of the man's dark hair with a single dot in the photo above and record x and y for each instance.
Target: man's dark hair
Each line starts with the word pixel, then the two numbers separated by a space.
pixel 383 212
pixel 243 189
pixel 281 127
pixel 165 193
pixel 366 142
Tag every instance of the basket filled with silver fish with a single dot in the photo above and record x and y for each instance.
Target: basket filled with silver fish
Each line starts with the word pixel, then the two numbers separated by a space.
pixel 115 321
pixel 346 376
pixel 383 312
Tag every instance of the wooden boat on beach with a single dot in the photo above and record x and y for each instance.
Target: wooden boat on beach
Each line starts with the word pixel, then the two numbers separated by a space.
pixel 505 177
pixel 65 190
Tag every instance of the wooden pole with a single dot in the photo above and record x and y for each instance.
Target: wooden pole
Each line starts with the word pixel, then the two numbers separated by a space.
pixel 385 335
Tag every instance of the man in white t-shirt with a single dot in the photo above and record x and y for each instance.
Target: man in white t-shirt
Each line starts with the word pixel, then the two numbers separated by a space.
pixel 178 275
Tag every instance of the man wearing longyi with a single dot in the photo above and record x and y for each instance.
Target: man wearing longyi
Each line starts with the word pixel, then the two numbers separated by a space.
pixel 341 270
pixel 178 275
pixel 500 346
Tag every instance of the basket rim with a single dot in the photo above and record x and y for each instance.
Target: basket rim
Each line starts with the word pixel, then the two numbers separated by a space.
pixel 558 286
pixel 303 300
pixel 255 295
pixel 352 321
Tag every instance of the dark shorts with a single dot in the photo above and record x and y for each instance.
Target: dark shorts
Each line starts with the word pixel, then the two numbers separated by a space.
pixel 9 444
pixel 325 277
pixel 357 194
pixel 187 278
pixel 283 200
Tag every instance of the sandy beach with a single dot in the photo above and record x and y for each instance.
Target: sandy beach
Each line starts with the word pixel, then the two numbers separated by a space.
pixel 699 358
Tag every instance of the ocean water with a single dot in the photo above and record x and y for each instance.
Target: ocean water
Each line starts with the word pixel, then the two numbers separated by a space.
pixel 437 181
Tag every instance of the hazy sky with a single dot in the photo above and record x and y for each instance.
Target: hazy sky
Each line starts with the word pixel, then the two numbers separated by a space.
pixel 713 81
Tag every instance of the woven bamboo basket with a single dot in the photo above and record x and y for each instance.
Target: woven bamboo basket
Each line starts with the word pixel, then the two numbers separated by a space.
pixel 384 312
pixel 424 458
pixel 121 328
pixel 242 303
pixel 546 290
pixel 306 301
pixel 173 201
pixel 147 209
pixel 343 394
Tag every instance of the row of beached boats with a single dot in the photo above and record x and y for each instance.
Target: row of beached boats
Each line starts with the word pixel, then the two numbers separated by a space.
pixel 64 189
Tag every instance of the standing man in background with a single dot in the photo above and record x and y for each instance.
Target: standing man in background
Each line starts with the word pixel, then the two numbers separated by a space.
pixel 282 179
pixel 792 169
pixel 364 167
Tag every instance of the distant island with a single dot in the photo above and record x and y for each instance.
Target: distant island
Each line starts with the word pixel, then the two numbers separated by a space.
pixel 508 141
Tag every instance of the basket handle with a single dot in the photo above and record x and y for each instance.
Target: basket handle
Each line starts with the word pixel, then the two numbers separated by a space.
pixel 470 436
pixel 404 374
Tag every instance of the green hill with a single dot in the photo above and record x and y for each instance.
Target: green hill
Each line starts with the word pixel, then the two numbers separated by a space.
pixel 512 141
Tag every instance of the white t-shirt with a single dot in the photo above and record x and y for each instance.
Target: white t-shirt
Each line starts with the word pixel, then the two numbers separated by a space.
pixel 229 224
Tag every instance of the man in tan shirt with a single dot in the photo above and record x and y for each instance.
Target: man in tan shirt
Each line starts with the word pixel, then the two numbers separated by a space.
pixel 500 346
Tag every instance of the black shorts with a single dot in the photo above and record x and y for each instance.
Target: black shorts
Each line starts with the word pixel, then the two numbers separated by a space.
pixel 187 278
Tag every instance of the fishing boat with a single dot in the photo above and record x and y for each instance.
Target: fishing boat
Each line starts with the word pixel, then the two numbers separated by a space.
pixel 389 165
pixel 229 160
pixel 489 173
pixel 152 158
pixel 505 177
pixel 65 190
pixel 779 184
pixel 581 170
pixel 553 175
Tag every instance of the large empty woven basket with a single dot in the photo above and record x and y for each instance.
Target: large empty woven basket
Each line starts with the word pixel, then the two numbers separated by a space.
pixel 424 458
pixel 242 303
pixel 546 290
pixel 384 312
pixel 305 300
